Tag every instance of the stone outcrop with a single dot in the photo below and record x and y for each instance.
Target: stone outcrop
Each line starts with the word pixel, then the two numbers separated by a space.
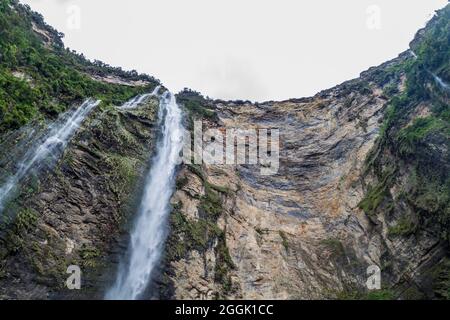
pixel 76 212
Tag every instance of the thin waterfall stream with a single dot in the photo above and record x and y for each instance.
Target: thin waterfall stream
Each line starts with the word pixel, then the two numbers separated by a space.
pixel 441 83
pixel 150 227
pixel 445 86
pixel 139 99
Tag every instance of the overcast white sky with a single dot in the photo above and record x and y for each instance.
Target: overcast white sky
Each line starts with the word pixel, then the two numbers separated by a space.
pixel 241 49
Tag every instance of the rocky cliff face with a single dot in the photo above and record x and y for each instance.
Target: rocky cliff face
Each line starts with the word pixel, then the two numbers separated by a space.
pixel 72 207
pixel 362 181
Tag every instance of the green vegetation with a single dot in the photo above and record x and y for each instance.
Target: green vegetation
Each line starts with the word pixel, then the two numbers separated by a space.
pixel 388 77
pixel 380 295
pixel 223 264
pixel 118 148
pixel 211 203
pixel 123 174
pixel 203 233
pixel 377 194
pixel 390 90
pixel 440 275
pixel 18 235
pixel 50 265
pixel 26 219
pixel 404 227
pixel 412 152
pixel 89 256
pixel 411 137
pixel 15 230
pixel 198 171
pixel 181 183
pixel 220 189
pixel 198 234
pixel 114 150
pixel 284 240
pixel 42 79
pixel 348 295
pixel 335 246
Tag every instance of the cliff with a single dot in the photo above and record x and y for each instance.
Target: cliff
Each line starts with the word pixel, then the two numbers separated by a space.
pixel 362 181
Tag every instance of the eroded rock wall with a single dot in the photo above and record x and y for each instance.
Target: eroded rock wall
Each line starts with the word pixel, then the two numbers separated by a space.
pixel 77 212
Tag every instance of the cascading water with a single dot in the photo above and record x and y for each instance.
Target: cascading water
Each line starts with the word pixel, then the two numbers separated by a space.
pixel 441 83
pixel 52 146
pixel 438 80
pixel 150 230
pixel 136 101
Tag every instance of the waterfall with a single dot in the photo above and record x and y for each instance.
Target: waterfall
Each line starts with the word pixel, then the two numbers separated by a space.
pixel 51 146
pixel 150 227
pixel 441 82
pixel 136 101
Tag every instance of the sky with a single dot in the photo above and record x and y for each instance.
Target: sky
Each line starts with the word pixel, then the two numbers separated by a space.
pixel 241 49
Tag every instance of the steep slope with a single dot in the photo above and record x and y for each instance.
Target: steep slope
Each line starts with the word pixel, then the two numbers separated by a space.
pixel 73 202
pixel 363 181
pixel 39 78
pixel 74 213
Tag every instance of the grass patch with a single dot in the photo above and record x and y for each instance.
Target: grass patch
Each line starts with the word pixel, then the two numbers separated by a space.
pixel 181 182
pixel 440 275
pixel 335 246
pixel 54 77
pixel 89 256
pixel 197 105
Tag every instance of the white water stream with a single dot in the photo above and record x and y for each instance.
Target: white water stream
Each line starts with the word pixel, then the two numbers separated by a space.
pixel 150 227
pixel 441 82
pixel 136 101
pixel 52 145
